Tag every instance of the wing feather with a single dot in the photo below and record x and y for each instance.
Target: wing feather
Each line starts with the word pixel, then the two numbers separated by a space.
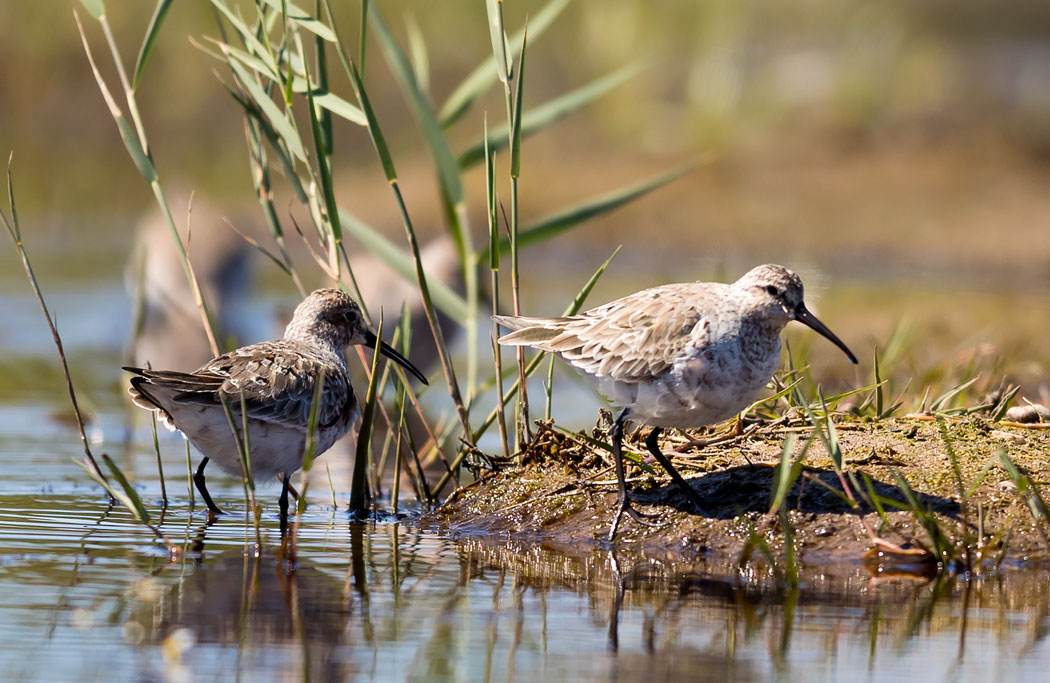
pixel 276 380
pixel 631 339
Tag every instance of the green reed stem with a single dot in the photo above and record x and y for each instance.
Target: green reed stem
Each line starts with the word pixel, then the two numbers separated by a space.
pixel 309 451
pixel 494 265
pixel 189 472
pixel 358 495
pixel 244 459
pixel 395 490
pixel 160 465
pixel 379 142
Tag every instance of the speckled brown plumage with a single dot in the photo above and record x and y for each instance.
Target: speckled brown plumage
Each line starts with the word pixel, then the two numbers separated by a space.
pixel 277 381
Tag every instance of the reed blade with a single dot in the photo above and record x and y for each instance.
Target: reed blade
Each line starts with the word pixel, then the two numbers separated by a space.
pixel 155 24
pixel 486 74
pixel 536 119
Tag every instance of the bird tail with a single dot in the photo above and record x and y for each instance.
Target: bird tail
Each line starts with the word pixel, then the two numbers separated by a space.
pixel 142 397
pixel 528 331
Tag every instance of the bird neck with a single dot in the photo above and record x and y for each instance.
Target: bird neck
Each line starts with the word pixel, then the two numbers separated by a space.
pixel 318 333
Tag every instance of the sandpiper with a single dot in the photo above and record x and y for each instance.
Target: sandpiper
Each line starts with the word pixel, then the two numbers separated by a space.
pixel 277 380
pixel 680 355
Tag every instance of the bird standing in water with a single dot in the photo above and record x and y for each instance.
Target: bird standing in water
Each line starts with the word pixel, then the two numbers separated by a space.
pixel 680 355
pixel 277 380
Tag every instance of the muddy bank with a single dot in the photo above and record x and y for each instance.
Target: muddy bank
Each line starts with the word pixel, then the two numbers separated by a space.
pixel 564 495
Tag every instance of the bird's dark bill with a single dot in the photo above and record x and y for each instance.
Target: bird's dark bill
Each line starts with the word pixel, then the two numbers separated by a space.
pixel 803 315
pixel 391 353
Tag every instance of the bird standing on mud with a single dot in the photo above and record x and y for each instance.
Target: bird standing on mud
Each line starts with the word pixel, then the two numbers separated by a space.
pixel 277 380
pixel 680 355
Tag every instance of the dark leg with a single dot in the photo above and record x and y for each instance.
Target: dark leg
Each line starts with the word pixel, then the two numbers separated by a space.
pixel 650 443
pixel 282 502
pixel 198 481
pixel 616 434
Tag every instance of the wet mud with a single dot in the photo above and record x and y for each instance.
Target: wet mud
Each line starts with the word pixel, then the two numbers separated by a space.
pixel 563 495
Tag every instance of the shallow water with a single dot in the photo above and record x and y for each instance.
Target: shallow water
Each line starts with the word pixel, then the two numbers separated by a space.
pixel 89 595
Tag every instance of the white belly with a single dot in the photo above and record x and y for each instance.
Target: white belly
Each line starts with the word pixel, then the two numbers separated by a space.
pixel 274 449
pixel 691 394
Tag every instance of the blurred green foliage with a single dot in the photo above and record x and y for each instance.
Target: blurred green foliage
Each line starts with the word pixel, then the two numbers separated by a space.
pixel 722 74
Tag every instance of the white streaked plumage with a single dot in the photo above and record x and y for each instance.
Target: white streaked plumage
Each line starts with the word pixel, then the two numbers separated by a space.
pixel 680 355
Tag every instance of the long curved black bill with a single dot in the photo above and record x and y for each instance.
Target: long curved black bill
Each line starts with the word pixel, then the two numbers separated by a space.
pixel 389 351
pixel 803 315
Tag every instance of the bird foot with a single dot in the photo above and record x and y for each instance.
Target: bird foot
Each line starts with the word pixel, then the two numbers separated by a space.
pixel 213 509
pixel 639 517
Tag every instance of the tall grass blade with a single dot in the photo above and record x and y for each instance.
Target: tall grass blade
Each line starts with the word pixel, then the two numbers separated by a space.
pixel 942 545
pixel 159 14
pixel 189 472
pixel 787 472
pixel 417 48
pixel 138 150
pixel 447 169
pixel 494 264
pixel 127 497
pixel 499 39
pixel 327 188
pixel 878 386
pixel 374 131
pixel 130 497
pixel 325 115
pixel 1004 404
pixel 95 8
pixel 358 497
pixel 402 263
pixel 448 178
pixel 1026 489
pixel 302 19
pixel 516 123
pixel 538 118
pixel 947 397
pixel 383 151
pixel 309 451
pixel 566 219
pixel 282 123
pixel 363 38
pixel 248 36
pixel 328 101
pixel 245 460
pixel 487 73
pixel 160 465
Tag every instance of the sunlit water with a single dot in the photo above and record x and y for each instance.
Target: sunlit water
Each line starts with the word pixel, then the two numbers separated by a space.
pixel 90 594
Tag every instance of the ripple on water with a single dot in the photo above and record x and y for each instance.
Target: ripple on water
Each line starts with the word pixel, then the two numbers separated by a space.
pixel 91 594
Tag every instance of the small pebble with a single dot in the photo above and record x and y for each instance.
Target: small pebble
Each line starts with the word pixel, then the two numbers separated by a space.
pixel 1006 436
pixel 1028 413
pixel 1007 487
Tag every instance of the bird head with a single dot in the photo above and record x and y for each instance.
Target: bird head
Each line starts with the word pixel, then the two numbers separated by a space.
pixel 778 295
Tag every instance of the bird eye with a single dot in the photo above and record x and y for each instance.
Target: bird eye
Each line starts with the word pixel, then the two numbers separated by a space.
pixel 773 290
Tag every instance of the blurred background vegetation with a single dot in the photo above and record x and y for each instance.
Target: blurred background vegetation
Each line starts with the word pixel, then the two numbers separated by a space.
pixel 897 153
